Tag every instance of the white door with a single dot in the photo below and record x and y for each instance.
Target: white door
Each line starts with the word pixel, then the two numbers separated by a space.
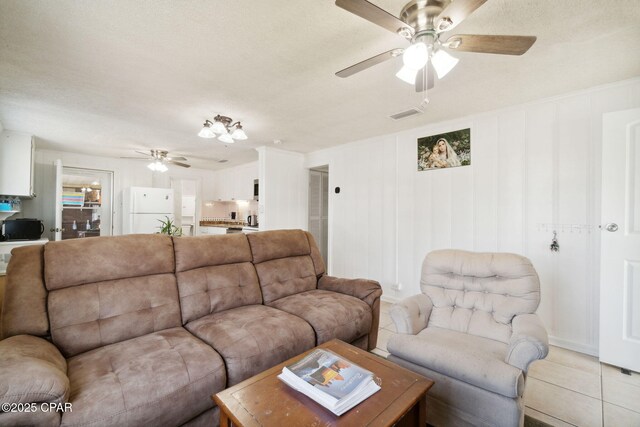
pixel 620 249
pixel 57 230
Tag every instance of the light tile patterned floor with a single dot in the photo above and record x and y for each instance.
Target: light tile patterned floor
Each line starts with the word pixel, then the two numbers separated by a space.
pixel 567 388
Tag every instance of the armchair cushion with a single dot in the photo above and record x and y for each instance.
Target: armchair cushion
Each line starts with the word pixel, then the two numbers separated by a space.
pixel 529 341
pixel 32 370
pixel 474 360
pixel 331 314
pixel 411 315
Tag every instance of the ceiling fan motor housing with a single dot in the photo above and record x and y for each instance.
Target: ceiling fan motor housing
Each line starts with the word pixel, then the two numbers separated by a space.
pixel 422 14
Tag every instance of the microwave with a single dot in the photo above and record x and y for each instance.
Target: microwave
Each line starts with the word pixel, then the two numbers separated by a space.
pixel 22 229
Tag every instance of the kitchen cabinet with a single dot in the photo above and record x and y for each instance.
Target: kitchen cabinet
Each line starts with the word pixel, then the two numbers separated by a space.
pixel 236 183
pixel 211 231
pixel 16 164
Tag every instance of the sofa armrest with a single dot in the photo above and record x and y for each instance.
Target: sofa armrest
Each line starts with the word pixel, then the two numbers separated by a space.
pixel 32 370
pixel 366 290
pixel 529 341
pixel 411 315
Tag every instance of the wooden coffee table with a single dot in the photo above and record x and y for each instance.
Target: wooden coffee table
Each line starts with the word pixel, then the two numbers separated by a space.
pixel 264 400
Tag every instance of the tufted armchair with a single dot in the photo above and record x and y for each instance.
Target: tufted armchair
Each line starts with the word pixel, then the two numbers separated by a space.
pixel 474 332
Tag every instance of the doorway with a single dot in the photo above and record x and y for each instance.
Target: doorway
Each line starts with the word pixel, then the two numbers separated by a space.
pixel 319 208
pixel 86 203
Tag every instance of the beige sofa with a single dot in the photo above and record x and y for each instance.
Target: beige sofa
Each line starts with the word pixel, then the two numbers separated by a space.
pixel 143 329
pixel 474 332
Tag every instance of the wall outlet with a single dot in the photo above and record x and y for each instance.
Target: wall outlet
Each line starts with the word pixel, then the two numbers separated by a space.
pixel 396 286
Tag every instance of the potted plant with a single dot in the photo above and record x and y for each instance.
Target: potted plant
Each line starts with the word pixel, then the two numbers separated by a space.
pixel 169 228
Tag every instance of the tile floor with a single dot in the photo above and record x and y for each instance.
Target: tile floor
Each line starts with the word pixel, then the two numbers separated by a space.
pixel 566 388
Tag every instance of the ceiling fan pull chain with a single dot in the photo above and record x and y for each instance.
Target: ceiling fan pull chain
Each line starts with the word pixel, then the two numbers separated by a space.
pixel 425 100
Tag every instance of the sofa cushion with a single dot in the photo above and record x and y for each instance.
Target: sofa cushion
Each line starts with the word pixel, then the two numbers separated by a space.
pixel 109 258
pixel 479 293
pixel 475 360
pixel 214 274
pixel 164 378
pixel 89 316
pixel 331 314
pixel 253 338
pixel 287 262
pixel 205 251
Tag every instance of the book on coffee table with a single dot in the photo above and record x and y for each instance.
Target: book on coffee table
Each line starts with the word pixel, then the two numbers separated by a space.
pixel 331 380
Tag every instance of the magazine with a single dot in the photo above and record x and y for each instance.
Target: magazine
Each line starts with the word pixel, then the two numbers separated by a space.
pixel 330 380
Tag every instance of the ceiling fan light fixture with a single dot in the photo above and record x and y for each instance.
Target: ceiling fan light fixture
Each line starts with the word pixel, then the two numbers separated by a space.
pixel 443 63
pixel 226 138
pixel 407 74
pixel 158 166
pixel 416 56
pixel 206 131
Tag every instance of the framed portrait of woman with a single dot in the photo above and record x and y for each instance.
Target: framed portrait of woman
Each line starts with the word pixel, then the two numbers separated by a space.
pixel 445 150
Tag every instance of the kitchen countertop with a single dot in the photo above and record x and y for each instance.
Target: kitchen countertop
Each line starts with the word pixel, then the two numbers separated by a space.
pixel 222 224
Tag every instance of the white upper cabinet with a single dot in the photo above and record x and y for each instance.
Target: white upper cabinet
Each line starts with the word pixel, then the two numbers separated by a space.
pixel 236 183
pixel 16 164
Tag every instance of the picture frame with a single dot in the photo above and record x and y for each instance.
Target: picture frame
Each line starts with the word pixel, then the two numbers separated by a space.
pixel 445 150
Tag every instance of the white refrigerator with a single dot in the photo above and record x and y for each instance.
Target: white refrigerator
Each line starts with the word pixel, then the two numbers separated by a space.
pixel 143 208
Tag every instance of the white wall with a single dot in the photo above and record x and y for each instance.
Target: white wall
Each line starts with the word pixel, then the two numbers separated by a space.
pixel 283 189
pixel 126 173
pixel 532 164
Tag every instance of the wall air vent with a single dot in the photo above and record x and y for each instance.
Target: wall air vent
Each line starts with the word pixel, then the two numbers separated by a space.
pixel 404 114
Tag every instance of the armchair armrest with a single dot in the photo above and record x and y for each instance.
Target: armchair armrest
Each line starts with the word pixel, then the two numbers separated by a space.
pixel 529 341
pixel 32 370
pixel 411 315
pixel 366 290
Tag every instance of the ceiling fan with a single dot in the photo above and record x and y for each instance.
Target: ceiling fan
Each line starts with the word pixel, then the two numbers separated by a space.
pixel 423 23
pixel 159 158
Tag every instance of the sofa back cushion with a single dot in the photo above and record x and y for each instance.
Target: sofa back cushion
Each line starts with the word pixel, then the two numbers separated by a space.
pixel 109 289
pixel 287 262
pixel 214 273
pixel 479 293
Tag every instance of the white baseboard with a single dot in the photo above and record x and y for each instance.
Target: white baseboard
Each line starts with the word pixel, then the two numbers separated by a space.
pixel 570 345
pixel 389 299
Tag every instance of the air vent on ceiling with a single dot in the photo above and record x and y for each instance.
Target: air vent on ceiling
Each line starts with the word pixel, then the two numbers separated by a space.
pixel 404 114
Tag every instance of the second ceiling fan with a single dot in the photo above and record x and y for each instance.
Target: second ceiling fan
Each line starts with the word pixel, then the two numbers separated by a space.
pixel 423 23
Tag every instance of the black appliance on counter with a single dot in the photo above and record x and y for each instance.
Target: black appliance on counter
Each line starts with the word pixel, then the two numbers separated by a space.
pixel 22 229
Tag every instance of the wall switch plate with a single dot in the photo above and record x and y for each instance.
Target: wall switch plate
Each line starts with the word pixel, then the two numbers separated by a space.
pixel 396 286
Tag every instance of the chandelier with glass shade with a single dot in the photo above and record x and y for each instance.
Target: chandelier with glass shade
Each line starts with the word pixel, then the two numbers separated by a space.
pixel 223 128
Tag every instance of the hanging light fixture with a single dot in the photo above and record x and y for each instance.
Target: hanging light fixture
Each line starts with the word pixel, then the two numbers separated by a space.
pixel 158 166
pixel 222 127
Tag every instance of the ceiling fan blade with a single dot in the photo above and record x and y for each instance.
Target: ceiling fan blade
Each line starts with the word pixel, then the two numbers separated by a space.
pixel 502 45
pixel 143 153
pixel 135 158
pixel 374 60
pixel 374 14
pixel 455 13
pixel 184 165
pixel 176 158
pixel 420 80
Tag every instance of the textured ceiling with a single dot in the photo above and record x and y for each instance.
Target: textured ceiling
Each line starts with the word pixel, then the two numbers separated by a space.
pixel 108 77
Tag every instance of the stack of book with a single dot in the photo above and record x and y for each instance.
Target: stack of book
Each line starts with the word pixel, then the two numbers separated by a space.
pixel 330 380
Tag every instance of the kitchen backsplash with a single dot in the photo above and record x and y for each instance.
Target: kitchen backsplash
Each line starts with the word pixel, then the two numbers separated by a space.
pixel 217 209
